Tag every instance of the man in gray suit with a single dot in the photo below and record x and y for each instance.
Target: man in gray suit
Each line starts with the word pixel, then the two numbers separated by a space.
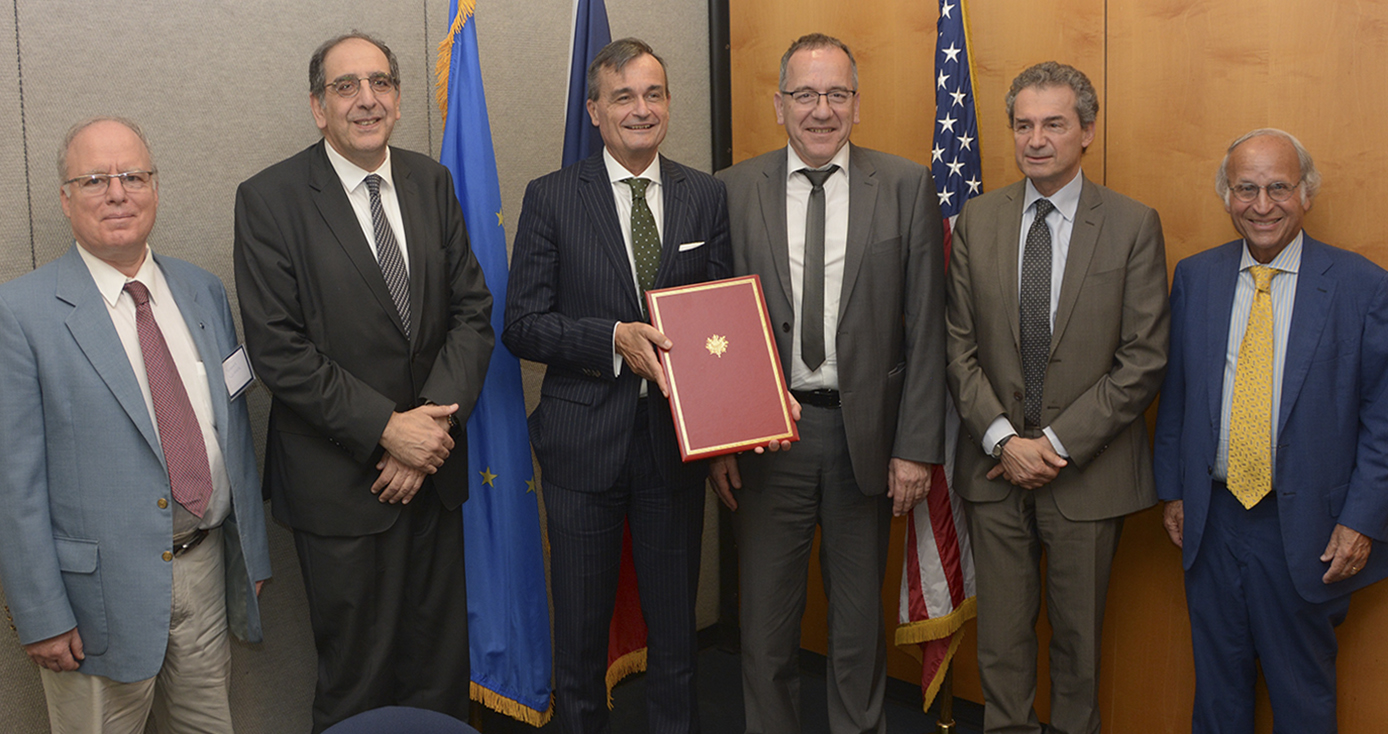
pixel 132 533
pixel 1057 344
pixel 848 245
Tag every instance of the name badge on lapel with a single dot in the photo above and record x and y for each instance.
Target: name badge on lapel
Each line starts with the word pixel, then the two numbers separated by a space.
pixel 238 373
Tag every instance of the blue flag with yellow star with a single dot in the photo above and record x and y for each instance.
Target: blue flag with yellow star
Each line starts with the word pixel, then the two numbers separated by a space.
pixel 508 609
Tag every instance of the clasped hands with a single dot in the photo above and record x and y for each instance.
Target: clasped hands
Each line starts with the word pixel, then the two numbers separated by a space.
pixel 1029 463
pixel 416 442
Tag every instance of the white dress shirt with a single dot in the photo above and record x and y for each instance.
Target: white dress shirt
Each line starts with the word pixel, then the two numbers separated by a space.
pixel 1061 222
pixel 121 306
pixel 353 179
pixel 1287 262
pixel 835 251
pixel 655 200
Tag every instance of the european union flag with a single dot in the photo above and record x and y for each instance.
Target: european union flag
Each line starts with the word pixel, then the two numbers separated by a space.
pixel 508 607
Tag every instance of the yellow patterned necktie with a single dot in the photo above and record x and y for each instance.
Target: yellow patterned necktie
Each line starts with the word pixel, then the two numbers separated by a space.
pixel 1250 419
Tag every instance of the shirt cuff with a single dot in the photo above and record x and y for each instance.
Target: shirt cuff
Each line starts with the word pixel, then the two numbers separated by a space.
pixel 1000 428
pixel 617 360
pixel 1055 442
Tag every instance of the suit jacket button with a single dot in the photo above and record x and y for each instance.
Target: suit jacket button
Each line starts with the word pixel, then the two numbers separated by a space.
pixel 785 326
pixel 168 556
pixel 1017 395
pixel 163 504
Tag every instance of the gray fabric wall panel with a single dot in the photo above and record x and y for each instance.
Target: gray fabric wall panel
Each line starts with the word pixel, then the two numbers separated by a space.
pixel 221 89
pixel 15 245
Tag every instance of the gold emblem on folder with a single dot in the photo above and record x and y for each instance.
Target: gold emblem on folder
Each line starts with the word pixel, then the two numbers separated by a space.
pixel 716 345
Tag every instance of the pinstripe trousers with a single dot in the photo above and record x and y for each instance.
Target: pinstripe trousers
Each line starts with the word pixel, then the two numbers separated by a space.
pixel 585 537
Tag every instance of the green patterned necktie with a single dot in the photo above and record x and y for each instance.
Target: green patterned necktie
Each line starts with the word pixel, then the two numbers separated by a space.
pixel 645 239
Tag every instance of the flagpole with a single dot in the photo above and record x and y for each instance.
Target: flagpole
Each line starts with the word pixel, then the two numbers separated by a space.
pixel 945 723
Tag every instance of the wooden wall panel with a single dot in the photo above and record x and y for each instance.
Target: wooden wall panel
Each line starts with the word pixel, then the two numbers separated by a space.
pixel 893 42
pixel 1186 77
pixel 1177 81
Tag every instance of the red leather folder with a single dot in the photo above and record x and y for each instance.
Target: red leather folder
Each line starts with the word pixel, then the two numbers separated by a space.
pixel 727 391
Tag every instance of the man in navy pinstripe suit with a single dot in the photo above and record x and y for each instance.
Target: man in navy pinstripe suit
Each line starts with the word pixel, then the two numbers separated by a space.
pixel 602 432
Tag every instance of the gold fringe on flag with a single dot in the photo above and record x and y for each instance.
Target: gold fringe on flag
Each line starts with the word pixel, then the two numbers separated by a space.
pixel 518 711
pixel 632 662
pixel 925 630
pixel 912 634
pixel 444 64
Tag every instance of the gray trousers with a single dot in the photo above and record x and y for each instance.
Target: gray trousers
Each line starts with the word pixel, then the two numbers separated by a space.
pixel 1008 537
pixel 784 496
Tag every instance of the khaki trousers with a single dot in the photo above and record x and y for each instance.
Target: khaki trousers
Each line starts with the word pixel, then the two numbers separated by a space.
pixel 189 694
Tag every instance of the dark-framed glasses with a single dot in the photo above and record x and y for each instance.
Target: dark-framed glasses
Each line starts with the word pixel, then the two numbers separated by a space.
pixel 95 184
pixel 810 98
pixel 348 86
pixel 1277 191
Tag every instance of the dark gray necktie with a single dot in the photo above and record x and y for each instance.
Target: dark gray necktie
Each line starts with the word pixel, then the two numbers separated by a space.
pixel 812 288
pixel 1035 307
pixel 388 254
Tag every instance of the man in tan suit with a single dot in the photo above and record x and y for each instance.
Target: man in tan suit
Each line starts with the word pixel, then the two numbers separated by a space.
pixel 858 323
pixel 1058 330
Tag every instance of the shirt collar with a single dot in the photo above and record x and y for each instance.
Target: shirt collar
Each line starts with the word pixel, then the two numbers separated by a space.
pixel 111 282
pixel 1066 200
pixel 794 163
pixel 351 174
pixel 616 173
pixel 1287 261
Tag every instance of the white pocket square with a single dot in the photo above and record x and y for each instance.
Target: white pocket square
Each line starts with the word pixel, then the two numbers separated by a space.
pixel 691 245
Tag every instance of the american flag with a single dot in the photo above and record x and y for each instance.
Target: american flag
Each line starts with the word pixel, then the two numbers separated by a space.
pixel 937 579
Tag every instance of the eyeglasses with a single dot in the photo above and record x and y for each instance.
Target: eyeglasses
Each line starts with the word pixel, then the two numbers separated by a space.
pixel 1277 191
pixel 810 98
pixel 347 87
pixel 95 184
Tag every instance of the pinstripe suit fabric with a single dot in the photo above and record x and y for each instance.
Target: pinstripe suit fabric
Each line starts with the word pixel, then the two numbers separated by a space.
pixel 604 453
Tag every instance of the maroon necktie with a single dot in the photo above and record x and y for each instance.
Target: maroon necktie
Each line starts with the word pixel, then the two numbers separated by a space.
pixel 185 452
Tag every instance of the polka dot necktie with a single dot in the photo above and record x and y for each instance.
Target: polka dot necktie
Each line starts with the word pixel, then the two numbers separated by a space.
pixel 645 239
pixel 185 450
pixel 1250 416
pixel 1035 307
pixel 812 288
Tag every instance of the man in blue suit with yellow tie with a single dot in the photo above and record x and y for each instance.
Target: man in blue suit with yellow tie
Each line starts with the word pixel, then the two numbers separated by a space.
pixel 132 532
pixel 1272 443
pixel 591 239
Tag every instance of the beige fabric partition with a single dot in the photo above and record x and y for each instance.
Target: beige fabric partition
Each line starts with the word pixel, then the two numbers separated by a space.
pixel 221 89
pixel 1177 80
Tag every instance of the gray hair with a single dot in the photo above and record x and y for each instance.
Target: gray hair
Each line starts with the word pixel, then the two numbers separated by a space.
pixel 318 84
pixel 1310 177
pixel 811 42
pixel 1056 74
pixel 616 56
pixel 77 129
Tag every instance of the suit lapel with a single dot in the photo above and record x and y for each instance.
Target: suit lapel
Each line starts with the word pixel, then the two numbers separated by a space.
pixel 595 191
pixel 408 197
pixel 676 211
pixel 1006 252
pixel 1314 294
pixel 1084 238
pixel 197 314
pixel 1219 312
pixel 771 190
pixel 862 201
pixel 341 219
pixel 91 327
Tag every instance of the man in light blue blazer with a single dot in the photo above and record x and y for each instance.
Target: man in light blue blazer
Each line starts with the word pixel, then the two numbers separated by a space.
pixel 1276 515
pixel 132 532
